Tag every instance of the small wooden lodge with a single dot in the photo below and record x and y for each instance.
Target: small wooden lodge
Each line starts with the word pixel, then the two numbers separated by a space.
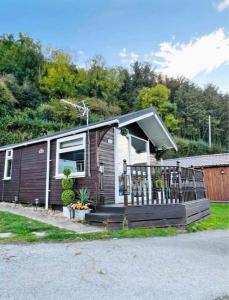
pixel 117 160
pixel 215 168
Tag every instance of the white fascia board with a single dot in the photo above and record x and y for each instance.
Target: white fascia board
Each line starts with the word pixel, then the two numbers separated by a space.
pixel 121 124
pixel 165 131
pixel 45 139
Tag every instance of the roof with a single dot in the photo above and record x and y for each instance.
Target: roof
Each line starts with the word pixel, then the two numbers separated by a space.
pixel 147 119
pixel 211 160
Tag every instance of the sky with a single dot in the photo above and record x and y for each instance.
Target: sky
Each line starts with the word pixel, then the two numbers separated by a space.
pixel 178 37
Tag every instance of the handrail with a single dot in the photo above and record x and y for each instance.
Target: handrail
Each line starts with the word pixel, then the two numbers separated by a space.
pixel 156 184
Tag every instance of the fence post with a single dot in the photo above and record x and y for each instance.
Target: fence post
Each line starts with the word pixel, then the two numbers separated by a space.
pixel 125 191
pixel 194 182
pixel 203 185
pixel 181 198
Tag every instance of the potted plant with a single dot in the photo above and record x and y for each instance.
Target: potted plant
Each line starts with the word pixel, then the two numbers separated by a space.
pixel 68 195
pixel 82 206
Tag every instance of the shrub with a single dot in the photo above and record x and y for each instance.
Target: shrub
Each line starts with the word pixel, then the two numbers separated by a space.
pixel 67 196
pixel 84 195
pixel 67 172
pixel 67 184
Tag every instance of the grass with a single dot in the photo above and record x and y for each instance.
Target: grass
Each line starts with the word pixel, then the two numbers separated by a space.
pixel 23 227
pixel 219 219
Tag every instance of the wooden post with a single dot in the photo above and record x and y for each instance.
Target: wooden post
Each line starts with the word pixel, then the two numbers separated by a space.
pixel 125 191
pixel 101 188
pixel 194 182
pixel 181 198
pixel 204 187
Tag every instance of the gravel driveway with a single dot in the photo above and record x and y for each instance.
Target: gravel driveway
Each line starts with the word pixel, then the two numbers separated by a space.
pixel 188 266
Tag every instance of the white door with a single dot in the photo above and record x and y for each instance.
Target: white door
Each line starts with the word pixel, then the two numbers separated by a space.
pixel 136 152
pixel 121 153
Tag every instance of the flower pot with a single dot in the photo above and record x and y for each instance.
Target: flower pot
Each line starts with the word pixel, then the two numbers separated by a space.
pixel 66 212
pixel 80 214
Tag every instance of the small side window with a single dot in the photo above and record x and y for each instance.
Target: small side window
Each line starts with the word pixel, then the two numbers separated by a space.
pixel 8 164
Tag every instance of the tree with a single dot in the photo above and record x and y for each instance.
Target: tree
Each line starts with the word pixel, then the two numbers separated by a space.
pixel 58 80
pixel 103 83
pixel 21 57
pixel 191 111
pixel 158 97
pixel 26 94
pixel 7 100
pixel 140 76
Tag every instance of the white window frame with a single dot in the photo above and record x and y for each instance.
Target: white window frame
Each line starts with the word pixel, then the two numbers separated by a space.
pixel 8 157
pixel 69 149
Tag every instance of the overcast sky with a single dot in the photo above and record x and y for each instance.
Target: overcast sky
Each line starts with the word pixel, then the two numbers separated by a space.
pixel 179 37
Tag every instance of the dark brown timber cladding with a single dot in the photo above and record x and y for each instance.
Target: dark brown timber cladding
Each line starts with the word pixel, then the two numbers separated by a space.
pixel 106 156
pixel 91 182
pixel 28 174
pixel 33 173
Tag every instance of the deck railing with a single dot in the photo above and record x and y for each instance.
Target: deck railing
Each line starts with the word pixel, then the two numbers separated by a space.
pixel 149 185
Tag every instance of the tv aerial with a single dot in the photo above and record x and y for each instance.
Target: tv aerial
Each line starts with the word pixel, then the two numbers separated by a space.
pixel 82 108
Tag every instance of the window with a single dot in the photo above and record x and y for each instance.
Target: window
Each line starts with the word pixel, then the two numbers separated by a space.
pixel 8 164
pixel 71 154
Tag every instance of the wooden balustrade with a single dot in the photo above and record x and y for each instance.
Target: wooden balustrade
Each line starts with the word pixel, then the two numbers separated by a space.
pixel 148 185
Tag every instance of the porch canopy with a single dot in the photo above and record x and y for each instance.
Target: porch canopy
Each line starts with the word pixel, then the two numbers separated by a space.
pixel 153 127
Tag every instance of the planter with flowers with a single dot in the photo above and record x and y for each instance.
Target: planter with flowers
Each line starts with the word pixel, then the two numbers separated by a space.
pixel 82 206
pixel 68 195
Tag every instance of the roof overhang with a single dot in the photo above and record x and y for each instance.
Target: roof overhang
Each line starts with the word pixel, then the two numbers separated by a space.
pixel 154 129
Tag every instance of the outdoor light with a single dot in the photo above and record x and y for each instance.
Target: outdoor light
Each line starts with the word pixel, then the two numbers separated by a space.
pixel 36 202
pixel 101 168
pixel 15 200
pixel 222 171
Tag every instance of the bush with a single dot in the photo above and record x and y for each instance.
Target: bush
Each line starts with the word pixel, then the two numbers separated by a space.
pixel 67 196
pixel 190 148
pixel 67 172
pixel 67 184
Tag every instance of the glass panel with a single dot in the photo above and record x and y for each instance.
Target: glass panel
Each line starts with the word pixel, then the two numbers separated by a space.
pixel 138 151
pixel 122 153
pixel 71 143
pixel 9 168
pixel 73 160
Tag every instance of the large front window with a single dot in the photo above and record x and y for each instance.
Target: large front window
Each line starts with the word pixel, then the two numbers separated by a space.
pixel 71 155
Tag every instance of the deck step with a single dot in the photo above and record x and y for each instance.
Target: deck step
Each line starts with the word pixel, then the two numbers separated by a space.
pixel 102 217
pixel 110 208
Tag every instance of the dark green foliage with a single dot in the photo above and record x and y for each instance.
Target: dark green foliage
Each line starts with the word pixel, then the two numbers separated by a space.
pixel 21 56
pixel 67 172
pixel 67 184
pixel 190 148
pixel 32 85
pixel 67 196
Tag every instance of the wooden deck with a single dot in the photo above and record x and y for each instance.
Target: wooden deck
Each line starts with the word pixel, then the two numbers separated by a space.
pixel 143 216
pixel 154 196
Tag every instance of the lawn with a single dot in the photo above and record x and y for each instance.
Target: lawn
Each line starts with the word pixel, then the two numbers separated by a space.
pixel 24 228
pixel 219 219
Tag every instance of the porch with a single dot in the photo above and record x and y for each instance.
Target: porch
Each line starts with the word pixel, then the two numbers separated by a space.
pixel 153 196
